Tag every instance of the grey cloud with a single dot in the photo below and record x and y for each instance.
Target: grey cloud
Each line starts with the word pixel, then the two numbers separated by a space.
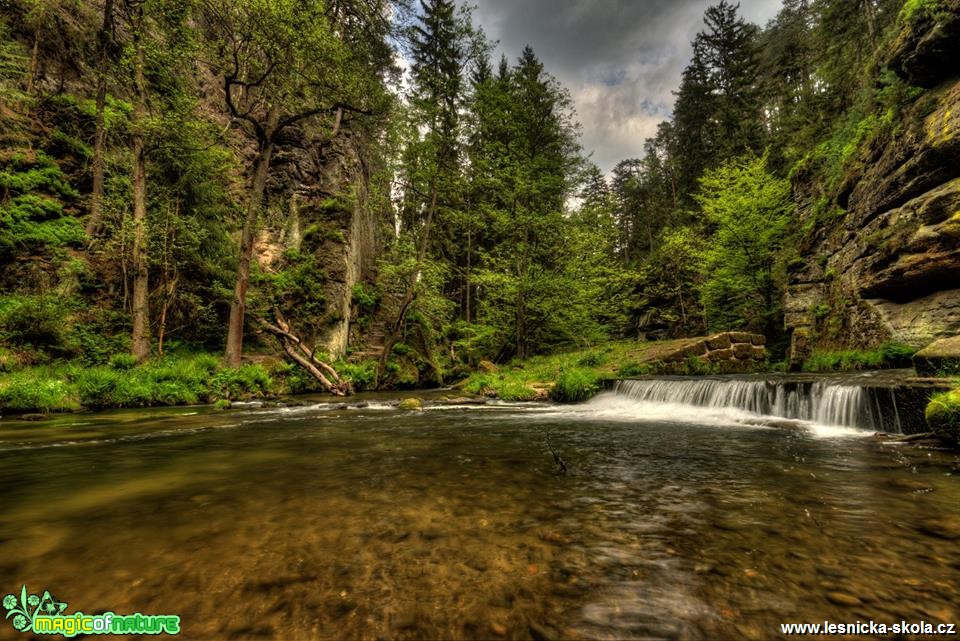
pixel 620 59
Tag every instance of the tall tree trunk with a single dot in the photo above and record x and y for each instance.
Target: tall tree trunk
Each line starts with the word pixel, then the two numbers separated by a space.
pixel 469 267
pixel 96 196
pixel 238 307
pixel 393 336
pixel 141 308
pixel 34 62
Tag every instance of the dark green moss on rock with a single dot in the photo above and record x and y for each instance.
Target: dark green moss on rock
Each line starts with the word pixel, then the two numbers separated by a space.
pixel 943 415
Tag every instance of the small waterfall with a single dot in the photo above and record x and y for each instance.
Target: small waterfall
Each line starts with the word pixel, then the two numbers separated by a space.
pixel 826 403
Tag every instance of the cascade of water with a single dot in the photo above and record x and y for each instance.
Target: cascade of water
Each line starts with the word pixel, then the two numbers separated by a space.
pixel 821 402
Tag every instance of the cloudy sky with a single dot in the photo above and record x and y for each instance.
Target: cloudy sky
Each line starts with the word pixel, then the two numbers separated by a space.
pixel 620 59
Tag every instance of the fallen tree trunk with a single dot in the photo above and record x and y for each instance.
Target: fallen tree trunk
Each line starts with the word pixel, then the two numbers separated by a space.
pixel 306 358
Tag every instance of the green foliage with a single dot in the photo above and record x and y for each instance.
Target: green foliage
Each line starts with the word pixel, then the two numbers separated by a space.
pixel 885 356
pixel 632 368
pixel 365 296
pixel 30 392
pixel 123 361
pixel 361 375
pixel 241 382
pixel 298 287
pixel 575 385
pixel 696 366
pixel 592 359
pixel 750 211
pixel 914 9
pixel 38 321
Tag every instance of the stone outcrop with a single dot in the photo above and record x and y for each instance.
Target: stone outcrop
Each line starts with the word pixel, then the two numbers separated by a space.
pixel 927 44
pixel 329 216
pixel 941 358
pixel 729 351
pixel 889 268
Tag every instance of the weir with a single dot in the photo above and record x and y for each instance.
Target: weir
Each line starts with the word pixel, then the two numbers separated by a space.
pixel 877 407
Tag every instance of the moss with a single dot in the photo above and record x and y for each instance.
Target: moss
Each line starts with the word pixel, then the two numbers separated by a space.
pixel 411 404
pixel 943 415
pixel 914 10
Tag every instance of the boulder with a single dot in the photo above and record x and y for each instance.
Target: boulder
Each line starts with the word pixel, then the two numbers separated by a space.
pixel 487 367
pixel 940 358
pixel 411 404
pixel 943 415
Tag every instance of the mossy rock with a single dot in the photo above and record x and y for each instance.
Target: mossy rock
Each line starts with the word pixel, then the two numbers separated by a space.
pixel 943 415
pixel 487 367
pixel 940 358
pixel 411 404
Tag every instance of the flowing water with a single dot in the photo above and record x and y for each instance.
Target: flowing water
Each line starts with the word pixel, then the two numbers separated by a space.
pixel 677 519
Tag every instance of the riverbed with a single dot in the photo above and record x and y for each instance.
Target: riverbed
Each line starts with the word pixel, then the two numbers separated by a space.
pixel 328 521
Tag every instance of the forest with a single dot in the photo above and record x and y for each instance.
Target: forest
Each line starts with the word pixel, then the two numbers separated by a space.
pixel 206 199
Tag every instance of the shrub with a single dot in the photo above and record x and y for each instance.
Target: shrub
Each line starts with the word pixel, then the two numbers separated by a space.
pixel 361 375
pixel 593 359
pixel 632 368
pixel 28 392
pixel 123 362
pixel 575 386
pixel 34 320
pixel 234 383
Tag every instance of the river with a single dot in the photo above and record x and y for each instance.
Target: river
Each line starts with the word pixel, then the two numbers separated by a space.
pixel 327 521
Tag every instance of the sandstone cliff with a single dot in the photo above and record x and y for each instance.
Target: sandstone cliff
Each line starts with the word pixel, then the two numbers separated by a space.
pixel 324 212
pixel 888 267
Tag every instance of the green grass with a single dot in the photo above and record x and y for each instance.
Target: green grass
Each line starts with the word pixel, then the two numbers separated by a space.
pixel 172 380
pixel 888 355
pixel 32 390
pixel 575 385
pixel 570 376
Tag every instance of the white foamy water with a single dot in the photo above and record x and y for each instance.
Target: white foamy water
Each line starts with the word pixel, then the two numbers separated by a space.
pixel 825 408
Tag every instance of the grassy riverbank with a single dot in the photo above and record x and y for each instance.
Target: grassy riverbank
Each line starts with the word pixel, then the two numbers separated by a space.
pixel 577 375
pixel 184 379
pixel 191 378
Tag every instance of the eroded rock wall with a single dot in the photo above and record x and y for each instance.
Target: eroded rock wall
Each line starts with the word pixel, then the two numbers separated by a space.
pixel 327 214
pixel 889 269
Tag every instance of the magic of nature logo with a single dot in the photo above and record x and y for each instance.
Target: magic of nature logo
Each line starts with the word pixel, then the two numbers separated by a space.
pixel 44 615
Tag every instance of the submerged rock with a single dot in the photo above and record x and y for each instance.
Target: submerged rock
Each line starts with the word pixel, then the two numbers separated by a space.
pixel 410 404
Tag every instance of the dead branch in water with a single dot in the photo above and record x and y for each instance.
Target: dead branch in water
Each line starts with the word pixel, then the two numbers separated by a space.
pixel 306 358
pixel 556 456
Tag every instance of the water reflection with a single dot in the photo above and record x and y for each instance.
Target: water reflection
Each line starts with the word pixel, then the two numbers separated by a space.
pixel 330 522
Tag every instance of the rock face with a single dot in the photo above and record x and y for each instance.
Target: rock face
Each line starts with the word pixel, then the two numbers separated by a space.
pixel 941 358
pixel 924 47
pixel 889 268
pixel 330 216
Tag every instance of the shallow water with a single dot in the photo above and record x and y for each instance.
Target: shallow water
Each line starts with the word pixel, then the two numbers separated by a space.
pixel 316 523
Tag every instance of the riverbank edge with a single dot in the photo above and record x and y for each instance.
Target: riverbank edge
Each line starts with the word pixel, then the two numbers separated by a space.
pixel 567 377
